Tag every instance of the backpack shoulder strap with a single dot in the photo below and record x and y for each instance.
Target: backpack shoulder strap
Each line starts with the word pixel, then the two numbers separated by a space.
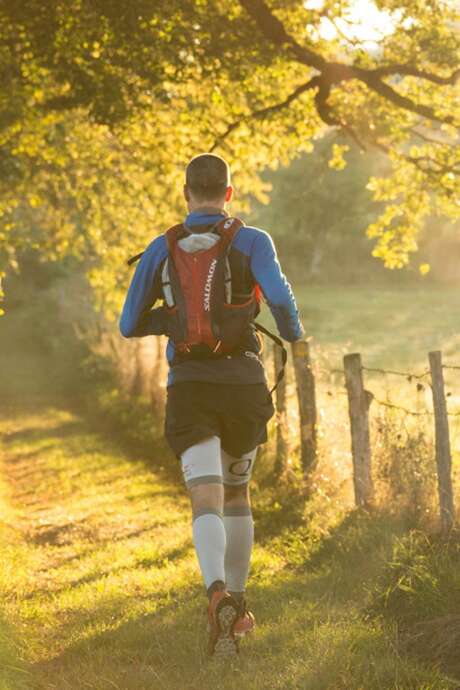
pixel 227 229
pixel 172 236
pixel 284 354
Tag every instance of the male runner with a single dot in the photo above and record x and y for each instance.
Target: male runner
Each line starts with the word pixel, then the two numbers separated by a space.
pixel 218 406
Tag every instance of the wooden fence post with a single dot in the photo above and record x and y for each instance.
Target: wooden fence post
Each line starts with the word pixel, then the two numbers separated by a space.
pixel 280 404
pixel 443 455
pixel 305 383
pixel 358 407
pixel 157 378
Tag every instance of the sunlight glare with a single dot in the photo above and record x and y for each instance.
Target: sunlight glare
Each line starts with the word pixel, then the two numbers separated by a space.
pixel 362 22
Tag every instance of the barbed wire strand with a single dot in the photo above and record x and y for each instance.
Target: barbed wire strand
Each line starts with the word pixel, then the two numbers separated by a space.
pixel 335 371
pixel 408 375
pixel 399 407
pixel 405 374
pixel 412 412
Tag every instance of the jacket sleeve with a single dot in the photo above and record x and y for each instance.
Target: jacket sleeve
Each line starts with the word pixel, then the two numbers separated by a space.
pixel 267 272
pixel 138 318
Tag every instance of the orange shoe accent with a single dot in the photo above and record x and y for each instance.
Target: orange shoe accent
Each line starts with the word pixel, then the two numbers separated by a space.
pixel 216 597
pixel 244 625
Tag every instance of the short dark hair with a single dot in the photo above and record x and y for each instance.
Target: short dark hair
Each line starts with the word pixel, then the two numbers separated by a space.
pixel 207 176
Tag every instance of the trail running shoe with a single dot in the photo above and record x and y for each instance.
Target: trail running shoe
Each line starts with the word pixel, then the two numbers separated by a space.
pixel 223 611
pixel 245 623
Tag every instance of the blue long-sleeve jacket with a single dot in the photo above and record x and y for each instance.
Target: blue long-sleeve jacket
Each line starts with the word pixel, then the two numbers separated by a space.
pixel 253 247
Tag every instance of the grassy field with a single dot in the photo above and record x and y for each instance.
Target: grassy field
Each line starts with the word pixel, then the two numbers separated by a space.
pixel 389 326
pixel 392 328
pixel 99 587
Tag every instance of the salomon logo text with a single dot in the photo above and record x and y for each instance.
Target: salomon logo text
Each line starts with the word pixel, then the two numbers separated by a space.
pixel 208 285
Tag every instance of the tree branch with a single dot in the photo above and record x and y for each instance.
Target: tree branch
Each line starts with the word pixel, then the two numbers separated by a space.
pixel 430 140
pixel 322 106
pixel 387 92
pixel 337 72
pixel 264 112
pixel 325 113
pixel 411 71
pixel 274 30
pixel 433 169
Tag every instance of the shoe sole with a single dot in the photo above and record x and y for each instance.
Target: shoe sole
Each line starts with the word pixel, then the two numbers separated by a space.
pixel 226 644
pixel 240 634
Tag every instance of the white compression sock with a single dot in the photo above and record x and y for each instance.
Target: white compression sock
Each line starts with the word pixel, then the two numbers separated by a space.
pixel 210 542
pixel 239 528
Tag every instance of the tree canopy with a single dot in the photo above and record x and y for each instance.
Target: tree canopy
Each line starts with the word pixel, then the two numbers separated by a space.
pixel 102 104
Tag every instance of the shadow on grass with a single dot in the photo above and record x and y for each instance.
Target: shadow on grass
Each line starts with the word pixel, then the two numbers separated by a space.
pixel 32 434
pixel 275 516
pixel 14 673
pixel 356 537
pixel 164 559
pixel 312 631
pixel 152 449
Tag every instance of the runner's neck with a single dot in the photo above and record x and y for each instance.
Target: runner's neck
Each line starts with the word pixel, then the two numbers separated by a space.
pixel 208 211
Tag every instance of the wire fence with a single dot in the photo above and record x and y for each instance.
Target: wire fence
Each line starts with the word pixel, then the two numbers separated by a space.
pixel 409 376
pixel 360 398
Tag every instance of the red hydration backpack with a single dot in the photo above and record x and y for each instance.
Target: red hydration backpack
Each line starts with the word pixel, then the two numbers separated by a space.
pixel 202 322
pixel 205 317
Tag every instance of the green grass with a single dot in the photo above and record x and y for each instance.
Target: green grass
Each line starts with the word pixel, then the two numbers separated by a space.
pixel 101 584
pixel 390 327
pixel 100 589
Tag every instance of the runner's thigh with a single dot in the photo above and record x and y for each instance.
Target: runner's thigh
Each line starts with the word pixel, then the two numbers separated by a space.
pixel 237 471
pixel 202 464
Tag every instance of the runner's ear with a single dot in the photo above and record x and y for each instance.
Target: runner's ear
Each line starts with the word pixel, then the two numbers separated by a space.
pixel 228 193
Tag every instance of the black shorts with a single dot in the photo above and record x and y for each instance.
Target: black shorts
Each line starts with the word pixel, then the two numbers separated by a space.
pixel 237 413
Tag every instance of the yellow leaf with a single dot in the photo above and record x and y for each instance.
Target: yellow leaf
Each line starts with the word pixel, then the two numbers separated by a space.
pixel 337 161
